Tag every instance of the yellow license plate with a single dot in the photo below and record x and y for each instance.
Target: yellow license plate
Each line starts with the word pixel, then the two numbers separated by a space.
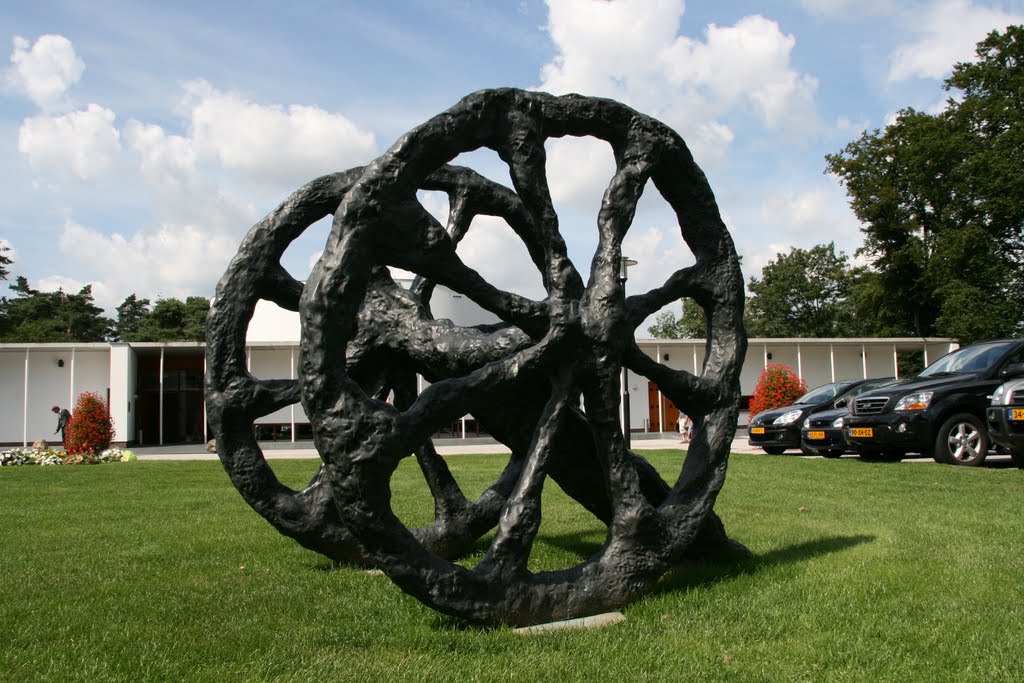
pixel 1017 414
pixel 814 436
pixel 757 430
pixel 862 432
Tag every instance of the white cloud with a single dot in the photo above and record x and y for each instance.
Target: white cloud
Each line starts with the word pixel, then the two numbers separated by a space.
pixel 744 65
pixel 170 261
pixel 633 51
pixel 578 171
pixel 948 33
pixel 659 251
pixel 492 249
pixel 272 144
pixel 814 216
pixel 161 156
pixel 53 283
pixel 847 8
pixel 83 144
pixel 197 181
pixel 11 252
pixel 45 71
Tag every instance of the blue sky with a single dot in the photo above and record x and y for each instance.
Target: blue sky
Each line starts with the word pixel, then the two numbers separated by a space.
pixel 141 139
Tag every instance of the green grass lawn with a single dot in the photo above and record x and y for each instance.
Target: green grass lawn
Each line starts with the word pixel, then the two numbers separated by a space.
pixel 863 572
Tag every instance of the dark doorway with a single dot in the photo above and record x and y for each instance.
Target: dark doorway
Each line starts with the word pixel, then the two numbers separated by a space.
pixel 182 393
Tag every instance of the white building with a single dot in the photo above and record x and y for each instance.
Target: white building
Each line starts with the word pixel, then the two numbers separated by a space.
pixel 155 390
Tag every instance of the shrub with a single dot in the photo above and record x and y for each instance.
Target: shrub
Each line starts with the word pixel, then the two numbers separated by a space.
pixel 778 386
pixel 90 430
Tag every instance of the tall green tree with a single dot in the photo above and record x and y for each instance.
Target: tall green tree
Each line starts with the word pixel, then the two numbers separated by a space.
pixel 801 294
pixel 38 317
pixel 130 315
pixel 5 261
pixel 174 320
pixel 941 199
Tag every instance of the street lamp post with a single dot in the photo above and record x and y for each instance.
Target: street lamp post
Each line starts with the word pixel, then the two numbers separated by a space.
pixel 624 264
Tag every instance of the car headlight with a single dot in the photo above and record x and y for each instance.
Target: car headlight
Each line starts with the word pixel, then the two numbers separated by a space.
pixel 838 423
pixel 915 401
pixel 807 423
pixel 788 418
pixel 998 395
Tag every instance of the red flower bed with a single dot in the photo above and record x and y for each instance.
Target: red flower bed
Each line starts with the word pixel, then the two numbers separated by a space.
pixel 778 386
pixel 90 430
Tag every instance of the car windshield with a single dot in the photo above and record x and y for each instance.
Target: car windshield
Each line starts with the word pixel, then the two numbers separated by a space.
pixel 868 386
pixel 974 358
pixel 824 393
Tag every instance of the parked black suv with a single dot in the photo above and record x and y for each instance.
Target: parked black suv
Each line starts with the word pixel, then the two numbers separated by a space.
pixel 941 412
pixel 778 429
pixel 1006 419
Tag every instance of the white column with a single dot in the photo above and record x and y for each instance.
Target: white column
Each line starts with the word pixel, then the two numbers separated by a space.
pixel 161 411
pixel 71 381
pixel 799 362
pixel 292 407
pixel 765 357
pixel 926 354
pixel 661 398
pixel 696 372
pixel 832 359
pixel 895 363
pixel 24 416
pixel 864 360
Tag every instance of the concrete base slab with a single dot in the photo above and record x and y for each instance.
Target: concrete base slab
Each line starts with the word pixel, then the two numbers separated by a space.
pixel 596 621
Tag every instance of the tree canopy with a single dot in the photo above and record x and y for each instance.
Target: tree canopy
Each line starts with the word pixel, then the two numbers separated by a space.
pixel 941 199
pixel 801 294
pixel 691 323
pixel 169 320
pixel 32 316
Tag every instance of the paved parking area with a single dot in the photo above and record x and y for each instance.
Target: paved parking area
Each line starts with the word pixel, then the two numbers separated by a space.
pixel 471 446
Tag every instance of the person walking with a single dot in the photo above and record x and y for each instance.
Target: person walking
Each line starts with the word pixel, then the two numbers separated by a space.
pixel 63 418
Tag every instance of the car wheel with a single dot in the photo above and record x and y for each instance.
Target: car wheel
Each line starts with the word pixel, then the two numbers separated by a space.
pixel 807 450
pixel 832 452
pixel 961 440
pixel 773 450
pixel 1017 456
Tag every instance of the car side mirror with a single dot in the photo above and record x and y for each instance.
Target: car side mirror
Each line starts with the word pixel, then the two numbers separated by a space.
pixel 1012 370
pixel 842 403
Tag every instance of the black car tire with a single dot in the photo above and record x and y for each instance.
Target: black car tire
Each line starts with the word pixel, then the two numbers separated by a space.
pixel 881 456
pixel 832 452
pixel 961 440
pixel 807 450
pixel 774 450
pixel 1017 456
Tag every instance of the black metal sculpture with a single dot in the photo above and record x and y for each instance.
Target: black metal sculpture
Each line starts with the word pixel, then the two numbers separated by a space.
pixel 546 382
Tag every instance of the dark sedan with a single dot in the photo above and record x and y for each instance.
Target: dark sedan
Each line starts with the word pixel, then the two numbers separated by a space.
pixel 822 433
pixel 778 429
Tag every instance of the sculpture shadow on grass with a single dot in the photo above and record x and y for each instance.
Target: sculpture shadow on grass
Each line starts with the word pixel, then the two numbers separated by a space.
pixel 694 575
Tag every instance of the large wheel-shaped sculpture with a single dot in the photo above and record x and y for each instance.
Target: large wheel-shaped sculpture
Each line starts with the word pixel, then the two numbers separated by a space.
pixel 581 335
